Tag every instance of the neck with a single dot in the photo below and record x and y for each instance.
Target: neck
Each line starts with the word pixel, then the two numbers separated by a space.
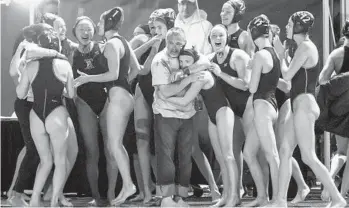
pixel 109 34
pixel 299 38
pixel 262 42
pixel 223 52
pixel 232 28
pixel 86 48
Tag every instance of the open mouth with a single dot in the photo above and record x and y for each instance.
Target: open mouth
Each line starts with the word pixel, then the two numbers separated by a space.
pixel 218 44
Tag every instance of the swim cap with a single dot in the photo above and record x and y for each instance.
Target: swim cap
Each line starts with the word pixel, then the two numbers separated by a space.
pixel 259 26
pixel 303 21
pixel 190 52
pixel 239 7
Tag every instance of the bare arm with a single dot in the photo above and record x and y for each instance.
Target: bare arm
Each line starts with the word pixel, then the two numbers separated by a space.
pixel 327 70
pixel 246 43
pixel 283 85
pixel 134 65
pixel 202 64
pixel 189 96
pixel 147 64
pixel 297 62
pixel 143 48
pixel 172 89
pixel 138 40
pixel 256 72
pixel 24 84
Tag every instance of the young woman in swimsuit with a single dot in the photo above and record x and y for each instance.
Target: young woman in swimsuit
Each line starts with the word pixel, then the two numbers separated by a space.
pixel 49 119
pixel 120 59
pixel 303 73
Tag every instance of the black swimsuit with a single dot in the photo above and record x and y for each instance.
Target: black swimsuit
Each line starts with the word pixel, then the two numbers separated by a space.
pixel 304 81
pixel 214 99
pixel 92 63
pixel 145 81
pixel 268 81
pixel 233 40
pixel 237 98
pixel 122 80
pixel 47 89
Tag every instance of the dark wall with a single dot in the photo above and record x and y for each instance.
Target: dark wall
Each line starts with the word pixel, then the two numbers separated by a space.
pixel 14 17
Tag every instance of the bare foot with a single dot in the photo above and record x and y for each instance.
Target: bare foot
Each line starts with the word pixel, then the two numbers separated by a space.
pixel 124 195
pixel 338 204
pixel 137 198
pixel 25 197
pixel 215 195
pixel 258 202
pixel 278 203
pixel 220 202
pixel 233 201
pixel 17 201
pixel 301 195
pixel 48 194
pixel 242 192
pixel 65 202
pixel 35 203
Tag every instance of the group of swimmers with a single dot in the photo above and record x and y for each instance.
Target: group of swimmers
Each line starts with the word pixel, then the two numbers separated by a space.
pixel 255 95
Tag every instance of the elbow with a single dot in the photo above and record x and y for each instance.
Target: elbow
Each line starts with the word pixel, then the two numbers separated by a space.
pixel 21 95
pixel 286 76
pixel 252 89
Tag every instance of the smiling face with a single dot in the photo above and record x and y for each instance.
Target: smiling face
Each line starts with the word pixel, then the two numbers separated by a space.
pixel 218 38
pixel 160 28
pixel 174 44
pixel 227 14
pixel 60 27
pixel 84 31
pixel 185 61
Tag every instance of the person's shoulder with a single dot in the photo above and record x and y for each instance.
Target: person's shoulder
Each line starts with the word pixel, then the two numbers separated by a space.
pixel 338 52
pixel 240 54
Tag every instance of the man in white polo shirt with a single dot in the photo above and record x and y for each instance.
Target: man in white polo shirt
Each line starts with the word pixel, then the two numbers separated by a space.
pixel 173 125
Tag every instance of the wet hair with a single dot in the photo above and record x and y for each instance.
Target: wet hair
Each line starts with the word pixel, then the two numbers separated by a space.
pixel 303 21
pixel 49 39
pixel 345 30
pixel 259 26
pixel 190 52
pixel 79 19
pixel 239 7
pixel 32 32
pixel 113 19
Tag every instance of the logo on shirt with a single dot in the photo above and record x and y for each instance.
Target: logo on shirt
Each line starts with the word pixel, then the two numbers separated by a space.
pixel 89 64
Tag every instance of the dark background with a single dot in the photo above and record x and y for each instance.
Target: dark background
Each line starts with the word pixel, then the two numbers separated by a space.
pixel 15 16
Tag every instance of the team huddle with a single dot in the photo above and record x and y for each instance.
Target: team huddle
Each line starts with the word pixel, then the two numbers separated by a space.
pixel 253 94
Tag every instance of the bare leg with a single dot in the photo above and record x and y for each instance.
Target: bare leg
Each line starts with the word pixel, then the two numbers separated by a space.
pixel 137 168
pixel 345 180
pixel 305 115
pixel 225 127
pixel 57 127
pixel 42 144
pixel 118 113
pixel 89 129
pixel 212 130
pixel 264 119
pixel 18 164
pixel 205 168
pixel 143 123
pixel 238 141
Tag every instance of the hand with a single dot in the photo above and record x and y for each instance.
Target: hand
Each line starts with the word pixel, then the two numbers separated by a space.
pixel 197 76
pixel 279 47
pixel 214 68
pixel 61 56
pixel 175 76
pixel 82 79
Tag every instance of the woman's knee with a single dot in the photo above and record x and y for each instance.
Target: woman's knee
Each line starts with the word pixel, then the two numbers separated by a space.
pixel 249 155
pixel 308 157
pixel 47 160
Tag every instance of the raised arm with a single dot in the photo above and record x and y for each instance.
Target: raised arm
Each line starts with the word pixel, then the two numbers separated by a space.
pixel 297 62
pixel 138 40
pixel 246 43
pixel 134 65
pixel 147 64
pixel 143 48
